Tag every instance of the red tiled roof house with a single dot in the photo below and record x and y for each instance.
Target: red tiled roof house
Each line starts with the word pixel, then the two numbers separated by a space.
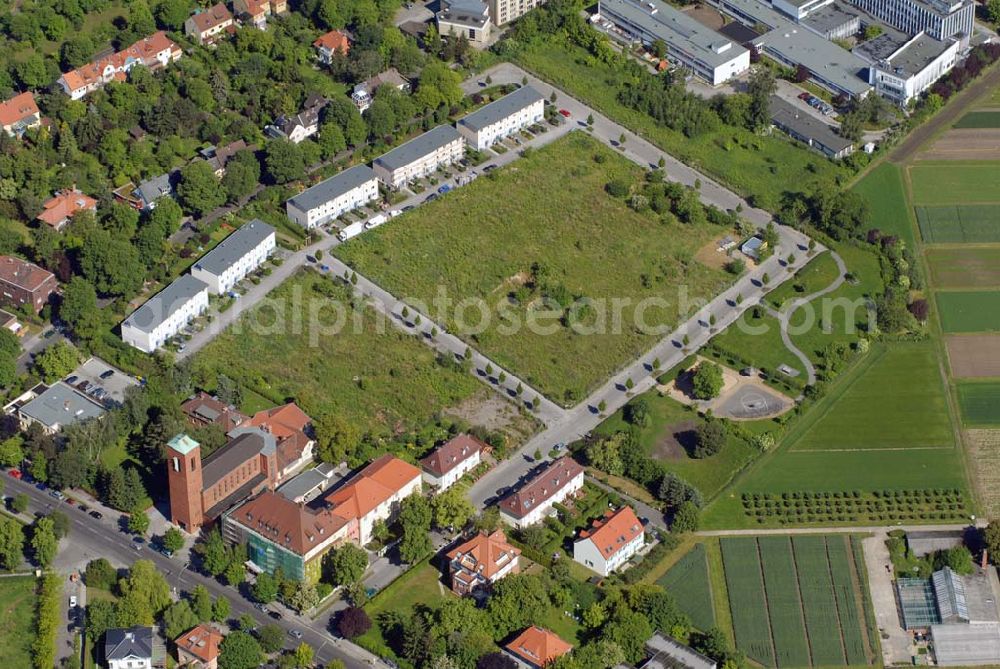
pixel 25 284
pixel 450 461
pixel 19 113
pixel 374 493
pixel 204 409
pixel 556 482
pixel 331 43
pixel 610 541
pixel 206 26
pixel 198 648
pixel 536 647
pixel 63 206
pixel 480 562
pixel 293 430
pixel 154 52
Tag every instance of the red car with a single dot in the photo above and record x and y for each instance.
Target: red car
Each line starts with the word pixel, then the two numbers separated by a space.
pixel 16 473
pixel 804 96
pixel 564 112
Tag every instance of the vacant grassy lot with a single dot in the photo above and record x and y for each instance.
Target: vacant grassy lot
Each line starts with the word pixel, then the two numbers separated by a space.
pixel 543 226
pixel 980 119
pixel 883 189
pixel 756 342
pixel 898 403
pixel 964 267
pixel 668 438
pixel 979 403
pixel 17 627
pixel 688 582
pixel 760 168
pixel 797 601
pixel 956 224
pixel 955 182
pixel 969 311
pixel 381 381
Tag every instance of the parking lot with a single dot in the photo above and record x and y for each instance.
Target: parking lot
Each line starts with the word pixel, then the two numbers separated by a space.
pixel 99 375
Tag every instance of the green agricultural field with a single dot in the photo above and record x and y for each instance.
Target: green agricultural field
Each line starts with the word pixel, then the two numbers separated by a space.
pixel 955 224
pixel 746 598
pixel 760 168
pixel 886 196
pixel 964 266
pixel 979 119
pixel 971 311
pixel 955 182
pixel 979 403
pixel 381 382
pixel 17 627
pixel 688 582
pixel 898 403
pixel 668 420
pixel 815 600
pixel 791 646
pixel 543 224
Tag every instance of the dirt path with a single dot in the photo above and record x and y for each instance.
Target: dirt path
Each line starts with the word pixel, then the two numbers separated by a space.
pixel 956 107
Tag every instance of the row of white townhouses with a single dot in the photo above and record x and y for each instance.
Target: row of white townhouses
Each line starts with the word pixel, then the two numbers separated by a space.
pixel 419 157
pixel 170 310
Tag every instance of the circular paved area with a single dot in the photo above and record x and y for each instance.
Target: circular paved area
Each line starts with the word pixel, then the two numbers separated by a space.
pixel 751 401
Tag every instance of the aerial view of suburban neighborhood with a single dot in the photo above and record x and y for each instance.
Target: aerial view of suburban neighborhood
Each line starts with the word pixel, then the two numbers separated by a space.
pixel 499 334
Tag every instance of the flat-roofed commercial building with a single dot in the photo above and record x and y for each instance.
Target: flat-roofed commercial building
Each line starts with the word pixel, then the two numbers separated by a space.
pixel 913 68
pixel 466 17
pixel 799 9
pixel 832 67
pixel 808 129
pixel 502 117
pixel 706 53
pixel 938 18
pixel 164 314
pixel 236 256
pixel 420 156
pixel 352 188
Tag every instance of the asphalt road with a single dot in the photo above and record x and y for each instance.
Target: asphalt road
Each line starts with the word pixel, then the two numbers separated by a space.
pixel 90 538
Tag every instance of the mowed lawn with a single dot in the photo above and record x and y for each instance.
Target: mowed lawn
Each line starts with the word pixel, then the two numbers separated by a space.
pixel 898 403
pixel 886 197
pixel 546 214
pixel 955 182
pixel 969 311
pixel 980 403
pixel 17 627
pixel 979 119
pixel 757 341
pixel 964 267
pixel 817 274
pixel 379 379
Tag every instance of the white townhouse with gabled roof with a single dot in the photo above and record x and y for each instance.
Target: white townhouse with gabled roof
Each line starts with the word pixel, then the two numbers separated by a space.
pixel 236 256
pixel 350 189
pixel 420 156
pixel 165 314
pixel 502 117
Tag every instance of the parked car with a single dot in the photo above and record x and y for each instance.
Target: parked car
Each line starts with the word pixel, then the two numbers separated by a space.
pixel 431 197
pixel 108 374
pixel 444 189
pixel 16 473
pixel 295 633
pixel 72 601
pixel 394 213
pixel 83 507
pixel 408 207
pixel 274 614
pixel 804 96
pixel 57 495
pixel 565 112
pixel 489 168
pixel 41 486
pixel 96 515
pixel 84 385
pixel 72 379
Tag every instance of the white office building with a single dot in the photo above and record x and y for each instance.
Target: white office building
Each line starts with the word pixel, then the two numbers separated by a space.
pixel 165 314
pixel 420 156
pixel 938 18
pixel 798 9
pixel 352 188
pixel 913 68
pixel 502 118
pixel 708 54
pixel 236 256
